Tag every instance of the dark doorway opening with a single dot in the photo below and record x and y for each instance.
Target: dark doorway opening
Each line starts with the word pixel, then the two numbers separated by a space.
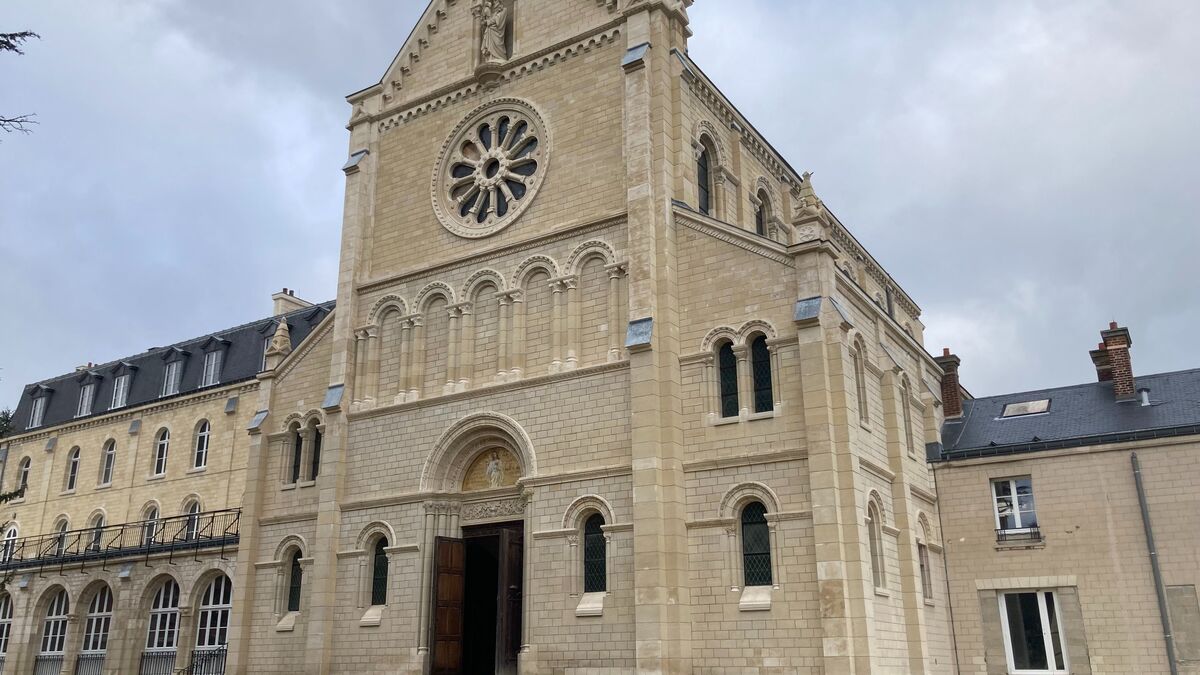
pixel 479 629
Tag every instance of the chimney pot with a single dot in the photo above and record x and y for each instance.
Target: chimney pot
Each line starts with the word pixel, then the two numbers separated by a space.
pixel 1112 325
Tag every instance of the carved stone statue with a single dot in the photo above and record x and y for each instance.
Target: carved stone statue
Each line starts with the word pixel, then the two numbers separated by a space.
pixel 494 20
pixel 495 471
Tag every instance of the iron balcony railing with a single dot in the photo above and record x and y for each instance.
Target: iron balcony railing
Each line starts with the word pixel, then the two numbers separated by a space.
pixel 48 664
pixel 157 663
pixel 90 664
pixel 1023 535
pixel 206 661
pixel 180 534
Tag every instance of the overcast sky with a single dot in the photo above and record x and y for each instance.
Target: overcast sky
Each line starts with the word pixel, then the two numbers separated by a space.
pixel 1025 170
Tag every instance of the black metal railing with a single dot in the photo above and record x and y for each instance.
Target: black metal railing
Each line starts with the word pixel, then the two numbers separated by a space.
pixel 157 663
pixel 90 664
pixel 48 664
pixel 209 661
pixel 212 529
pixel 1 664
pixel 1024 535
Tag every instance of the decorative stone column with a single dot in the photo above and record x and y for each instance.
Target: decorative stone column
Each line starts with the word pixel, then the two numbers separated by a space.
pixel 360 367
pixel 503 337
pixel 558 290
pixel 466 351
pixel 517 350
pixel 416 359
pixel 454 339
pixel 745 380
pixel 406 361
pixel 616 272
pixel 372 365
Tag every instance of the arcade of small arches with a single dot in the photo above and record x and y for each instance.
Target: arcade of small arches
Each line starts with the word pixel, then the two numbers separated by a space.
pixel 171 622
pixel 712 176
pixel 539 320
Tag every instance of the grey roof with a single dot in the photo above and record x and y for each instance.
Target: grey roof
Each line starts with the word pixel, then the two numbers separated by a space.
pixel 1083 414
pixel 243 356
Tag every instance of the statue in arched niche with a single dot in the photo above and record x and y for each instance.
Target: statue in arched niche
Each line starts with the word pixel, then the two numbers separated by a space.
pixel 494 25
pixel 491 470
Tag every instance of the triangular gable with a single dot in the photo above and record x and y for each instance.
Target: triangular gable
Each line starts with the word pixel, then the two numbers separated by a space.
pixel 301 349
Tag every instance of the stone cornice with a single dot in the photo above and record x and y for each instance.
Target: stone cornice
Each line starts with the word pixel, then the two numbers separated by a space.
pixel 876 469
pixel 745 460
pixel 732 234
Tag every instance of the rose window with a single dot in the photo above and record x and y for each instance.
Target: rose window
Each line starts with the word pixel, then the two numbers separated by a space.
pixel 490 169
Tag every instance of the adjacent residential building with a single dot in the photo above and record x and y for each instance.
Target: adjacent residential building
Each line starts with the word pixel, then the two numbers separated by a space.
pixel 1048 499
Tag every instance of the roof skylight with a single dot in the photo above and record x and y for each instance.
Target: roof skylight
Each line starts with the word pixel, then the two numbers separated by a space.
pixel 1026 408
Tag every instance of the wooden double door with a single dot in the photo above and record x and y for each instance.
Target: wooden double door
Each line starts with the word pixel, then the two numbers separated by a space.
pixel 478 591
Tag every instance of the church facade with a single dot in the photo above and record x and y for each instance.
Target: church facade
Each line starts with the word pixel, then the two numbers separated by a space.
pixel 606 389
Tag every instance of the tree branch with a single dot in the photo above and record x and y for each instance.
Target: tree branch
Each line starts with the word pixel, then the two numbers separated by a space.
pixel 11 42
pixel 19 123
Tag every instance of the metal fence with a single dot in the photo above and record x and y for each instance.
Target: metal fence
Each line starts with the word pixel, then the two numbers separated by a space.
pixel 46 664
pixel 89 664
pixel 1026 535
pixel 212 529
pixel 157 663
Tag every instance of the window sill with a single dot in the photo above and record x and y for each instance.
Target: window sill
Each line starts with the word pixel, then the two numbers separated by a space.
pixel 288 623
pixel 930 603
pixel 104 486
pixel 157 476
pixel 755 599
pixel 66 493
pixel 198 469
pixel 373 616
pixel 882 592
pixel 306 483
pixel 591 604
pixel 17 501
pixel 287 486
pixel 768 415
pixel 1027 545
pixel 723 421
pixel 864 425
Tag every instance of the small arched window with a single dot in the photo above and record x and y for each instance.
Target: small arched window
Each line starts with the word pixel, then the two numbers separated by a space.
pixel 875 539
pixel 379 572
pixel 762 213
pixel 760 364
pixel 860 380
pixel 315 458
pixel 704 181
pixel 108 463
pixel 72 478
pixel 161 447
pixel 595 555
pixel 756 545
pixel 163 633
pixel 150 526
pixel 295 582
pixel 6 615
pixel 97 625
pixel 191 530
pixel 54 628
pixel 200 455
pixel 96 537
pixel 23 474
pixel 728 380
pixel 10 544
pixel 297 453
pixel 60 537
pixel 216 605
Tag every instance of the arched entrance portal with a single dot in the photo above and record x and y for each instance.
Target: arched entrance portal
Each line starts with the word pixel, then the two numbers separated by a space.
pixel 476 527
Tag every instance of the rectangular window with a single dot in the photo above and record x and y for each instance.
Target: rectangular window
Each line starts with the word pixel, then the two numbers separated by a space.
pixel 212 369
pixel 38 413
pixel 1013 499
pixel 87 393
pixel 120 392
pixel 1032 639
pixel 171 378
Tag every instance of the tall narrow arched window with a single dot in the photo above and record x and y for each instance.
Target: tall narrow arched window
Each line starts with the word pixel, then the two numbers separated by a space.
pixel 60 537
pixel 297 453
pixel 10 544
pixel 191 530
pixel 54 631
pixel 860 380
pixel 379 572
pixel 762 213
pixel 906 413
pixel 704 182
pixel 756 545
pixel 23 474
pixel 108 463
pixel 875 539
pixel 72 478
pixel 162 635
pixel 150 526
pixel 96 536
pixel 595 555
pixel 728 380
pixel 760 364
pixel 315 458
pixel 295 582
pixel 200 453
pixel 6 615
pixel 212 625
pixel 95 630
pixel 161 447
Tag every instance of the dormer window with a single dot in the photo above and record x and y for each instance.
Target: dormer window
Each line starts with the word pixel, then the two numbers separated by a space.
pixel 87 395
pixel 212 369
pixel 171 377
pixel 120 391
pixel 38 413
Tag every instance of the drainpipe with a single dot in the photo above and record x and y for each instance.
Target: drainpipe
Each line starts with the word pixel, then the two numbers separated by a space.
pixel 1159 589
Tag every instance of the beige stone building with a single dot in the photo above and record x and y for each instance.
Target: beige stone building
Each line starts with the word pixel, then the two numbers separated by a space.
pixel 607 389
pixel 1055 503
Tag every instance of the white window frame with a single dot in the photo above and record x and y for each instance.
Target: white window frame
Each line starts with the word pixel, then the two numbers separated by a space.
pixel 98 624
pixel 6 616
pixel 171 378
pixel 150 527
pixel 9 548
pixel 72 470
pixel 266 347
pixel 1016 507
pixel 162 631
pixel 87 397
pixel 23 473
pixel 120 395
pixel 37 414
pixel 96 537
pixel 1061 669
pixel 54 626
pixel 200 449
pixel 216 609
pixel 162 446
pixel 108 463
pixel 212 369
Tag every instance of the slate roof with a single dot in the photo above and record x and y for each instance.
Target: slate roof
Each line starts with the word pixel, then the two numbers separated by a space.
pixel 241 362
pixel 1084 414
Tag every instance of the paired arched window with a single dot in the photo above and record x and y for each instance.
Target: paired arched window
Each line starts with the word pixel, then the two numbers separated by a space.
pixel 379 572
pixel 200 453
pixel 98 623
pixel 295 582
pixel 108 463
pixel 161 447
pixel 875 539
pixel 858 358
pixel 23 473
pixel 215 607
pixel 305 465
pixel 704 181
pixel 760 366
pixel 72 478
pixel 54 627
pixel 192 526
pixel 96 538
pixel 10 544
pixel 762 213
pixel 150 526
pixel 163 632
pixel 595 555
pixel 756 545
pixel 6 615
pixel 728 380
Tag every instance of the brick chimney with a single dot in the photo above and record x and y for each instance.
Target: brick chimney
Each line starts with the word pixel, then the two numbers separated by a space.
pixel 286 301
pixel 951 392
pixel 1112 362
